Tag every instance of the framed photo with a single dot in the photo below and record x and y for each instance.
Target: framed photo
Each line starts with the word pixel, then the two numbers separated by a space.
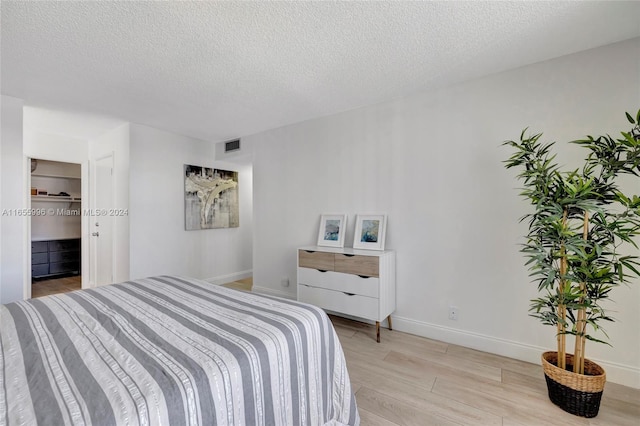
pixel 332 230
pixel 370 231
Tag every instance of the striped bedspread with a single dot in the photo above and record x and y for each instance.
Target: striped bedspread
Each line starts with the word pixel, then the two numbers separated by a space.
pixel 170 351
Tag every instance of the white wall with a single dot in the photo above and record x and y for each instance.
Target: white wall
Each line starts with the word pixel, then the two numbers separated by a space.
pixel 55 147
pixel 433 163
pixel 159 242
pixel 12 197
pixel 116 142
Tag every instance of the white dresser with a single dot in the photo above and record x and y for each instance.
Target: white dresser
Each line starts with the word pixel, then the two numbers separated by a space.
pixel 360 283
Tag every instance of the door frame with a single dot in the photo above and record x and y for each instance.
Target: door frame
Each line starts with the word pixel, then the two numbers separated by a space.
pixel 92 254
pixel 84 222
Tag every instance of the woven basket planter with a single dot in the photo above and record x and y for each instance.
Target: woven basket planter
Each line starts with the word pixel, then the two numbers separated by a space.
pixel 578 394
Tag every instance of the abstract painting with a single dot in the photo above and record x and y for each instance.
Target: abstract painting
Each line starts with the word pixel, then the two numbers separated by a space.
pixel 332 230
pixel 210 198
pixel 370 229
pixel 370 232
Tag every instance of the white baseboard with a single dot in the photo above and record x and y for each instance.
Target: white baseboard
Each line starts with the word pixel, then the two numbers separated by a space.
pixel 223 279
pixel 616 373
pixel 272 292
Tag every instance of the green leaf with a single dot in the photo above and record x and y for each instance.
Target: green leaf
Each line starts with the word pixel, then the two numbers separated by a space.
pixel 631 120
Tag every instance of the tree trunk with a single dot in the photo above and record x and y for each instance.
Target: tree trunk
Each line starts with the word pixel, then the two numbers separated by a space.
pixel 581 320
pixel 562 309
pixel 562 313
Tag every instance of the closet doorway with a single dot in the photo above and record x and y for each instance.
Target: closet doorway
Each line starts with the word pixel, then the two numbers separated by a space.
pixel 56 227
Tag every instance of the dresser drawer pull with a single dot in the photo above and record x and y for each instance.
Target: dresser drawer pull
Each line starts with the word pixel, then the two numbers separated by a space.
pixel 310 251
pixel 349 255
pixel 349 294
pixel 364 276
pixel 321 270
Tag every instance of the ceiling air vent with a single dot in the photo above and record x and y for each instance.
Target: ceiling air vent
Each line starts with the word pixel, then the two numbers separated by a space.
pixel 231 146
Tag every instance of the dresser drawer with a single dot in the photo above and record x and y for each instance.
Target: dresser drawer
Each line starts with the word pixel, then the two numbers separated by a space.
pixel 63 256
pixel 62 245
pixel 39 270
pixel 315 260
pixel 356 305
pixel 364 286
pixel 38 258
pixel 357 265
pixel 62 267
pixel 39 246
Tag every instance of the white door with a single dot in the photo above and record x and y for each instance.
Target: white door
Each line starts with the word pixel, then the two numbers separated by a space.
pixel 102 222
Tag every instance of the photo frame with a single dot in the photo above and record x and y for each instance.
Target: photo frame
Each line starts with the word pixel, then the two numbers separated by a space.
pixel 332 230
pixel 370 231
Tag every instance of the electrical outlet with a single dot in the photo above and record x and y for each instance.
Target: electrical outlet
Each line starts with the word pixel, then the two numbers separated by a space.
pixel 284 282
pixel 453 313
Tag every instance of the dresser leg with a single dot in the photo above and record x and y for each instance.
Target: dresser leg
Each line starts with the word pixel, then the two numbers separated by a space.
pixel 378 331
pixel 389 321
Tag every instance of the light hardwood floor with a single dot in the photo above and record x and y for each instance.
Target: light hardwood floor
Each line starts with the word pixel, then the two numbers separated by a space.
pixel 41 288
pixel 410 380
pixel 245 284
pixel 55 286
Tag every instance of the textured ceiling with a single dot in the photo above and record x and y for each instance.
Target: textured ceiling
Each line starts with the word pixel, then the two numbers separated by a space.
pixel 217 70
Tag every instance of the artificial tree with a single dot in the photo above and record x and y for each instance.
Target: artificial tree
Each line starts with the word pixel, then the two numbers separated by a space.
pixel 581 224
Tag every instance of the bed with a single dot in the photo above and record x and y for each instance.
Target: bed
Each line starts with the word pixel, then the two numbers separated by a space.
pixel 170 351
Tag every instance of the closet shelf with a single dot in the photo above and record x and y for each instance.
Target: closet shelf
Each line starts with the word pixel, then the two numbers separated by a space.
pixel 54 176
pixel 56 199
